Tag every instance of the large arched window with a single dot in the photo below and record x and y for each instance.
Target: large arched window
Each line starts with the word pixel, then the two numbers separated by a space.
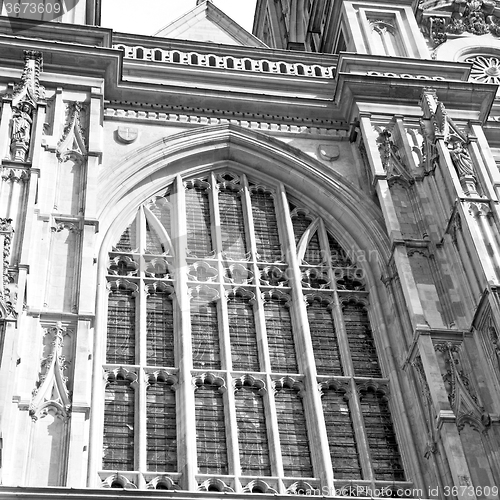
pixel 238 342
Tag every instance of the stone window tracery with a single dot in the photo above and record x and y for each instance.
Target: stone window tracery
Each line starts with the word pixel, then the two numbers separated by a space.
pixel 208 310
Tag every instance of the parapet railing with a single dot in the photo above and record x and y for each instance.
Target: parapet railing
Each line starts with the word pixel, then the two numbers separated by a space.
pixel 225 62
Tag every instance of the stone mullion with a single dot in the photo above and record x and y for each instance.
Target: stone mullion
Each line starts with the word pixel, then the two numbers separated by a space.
pixel 5 118
pixel 450 175
pixel 445 418
pixel 475 239
pixel 336 309
pixel 15 199
pixel 272 429
pixel 400 255
pixel 232 433
pixel 320 452
pixel 140 426
pixel 98 384
pixel 480 169
pixel 186 438
pixel 258 305
pixel 269 407
pixel 222 303
pixel 360 432
pixel 228 397
pixel 482 149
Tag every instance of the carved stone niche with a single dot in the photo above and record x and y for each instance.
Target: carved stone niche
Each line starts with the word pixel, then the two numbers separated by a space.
pixel 52 392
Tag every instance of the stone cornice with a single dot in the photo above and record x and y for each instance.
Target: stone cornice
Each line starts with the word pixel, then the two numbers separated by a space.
pixel 188 117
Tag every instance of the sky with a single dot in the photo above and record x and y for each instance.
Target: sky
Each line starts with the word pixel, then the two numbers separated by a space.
pixel 146 17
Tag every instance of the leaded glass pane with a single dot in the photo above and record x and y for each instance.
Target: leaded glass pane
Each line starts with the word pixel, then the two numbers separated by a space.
pixel 384 450
pixel 118 437
pixel 252 432
pixel 341 438
pixel 339 257
pixel 359 335
pixel 161 430
pixel 300 222
pixel 153 243
pixel 313 254
pixel 210 430
pixel 199 237
pixel 232 224
pixel 293 433
pixel 244 352
pixel 159 330
pixel 279 336
pixel 121 328
pixel 205 333
pixel 127 241
pixel 324 338
pixel 266 226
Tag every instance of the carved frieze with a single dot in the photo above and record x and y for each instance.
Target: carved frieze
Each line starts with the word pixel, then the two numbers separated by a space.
pixel 477 17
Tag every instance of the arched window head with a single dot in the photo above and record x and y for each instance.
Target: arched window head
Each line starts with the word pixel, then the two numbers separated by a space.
pixel 385 39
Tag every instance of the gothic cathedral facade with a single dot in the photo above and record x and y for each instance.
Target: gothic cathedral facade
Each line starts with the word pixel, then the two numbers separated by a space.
pixel 241 263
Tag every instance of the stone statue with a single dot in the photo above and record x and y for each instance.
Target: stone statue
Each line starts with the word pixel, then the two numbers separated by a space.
pixel 21 131
pixel 461 160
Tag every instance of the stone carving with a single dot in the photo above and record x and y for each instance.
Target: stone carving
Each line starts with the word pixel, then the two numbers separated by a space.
pixel 485 69
pixel 52 390
pixel 21 131
pixel 438 125
pixel 459 16
pixel 463 165
pixel 461 159
pixel 72 143
pixel 25 97
pixel 391 158
pixel 462 395
pixel 6 301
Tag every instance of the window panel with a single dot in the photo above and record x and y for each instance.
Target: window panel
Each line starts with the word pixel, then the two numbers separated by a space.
pixel 160 330
pixel 324 338
pixel 232 224
pixel 279 336
pixel 363 353
pixel 242 332
pixel 293 433
pixel 118 438
pixel 266 226
pixel 199 237
pixel 161 430
pixel 205 333
pixel 384 449
pixel 210 430
pixel 341 438
pixel 121 328
pixel 252 432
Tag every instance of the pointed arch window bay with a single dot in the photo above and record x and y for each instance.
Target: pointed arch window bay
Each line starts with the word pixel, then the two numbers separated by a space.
pixel 232 311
